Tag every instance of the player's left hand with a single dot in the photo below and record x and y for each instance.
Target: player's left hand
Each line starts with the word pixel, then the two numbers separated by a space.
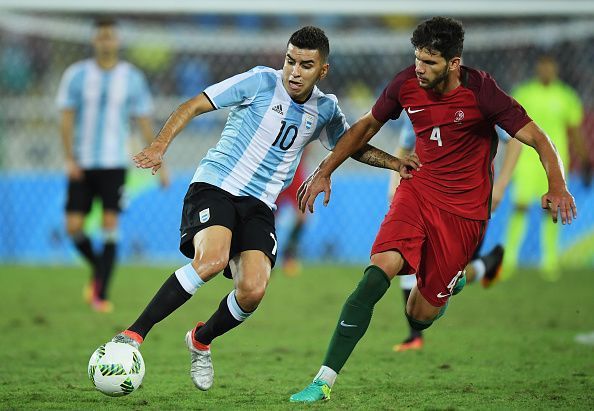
pixel 560 201
pixel 150 157
pixel 408 163
pixel 310 188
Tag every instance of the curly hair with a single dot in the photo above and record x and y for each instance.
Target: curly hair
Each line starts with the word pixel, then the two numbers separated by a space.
pixel 311 38
pixel 441 34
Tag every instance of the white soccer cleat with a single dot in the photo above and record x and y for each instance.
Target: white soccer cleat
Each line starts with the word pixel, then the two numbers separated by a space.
pixel 201 369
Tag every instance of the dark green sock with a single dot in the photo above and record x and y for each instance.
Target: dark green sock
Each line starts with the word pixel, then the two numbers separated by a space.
pixel 356 316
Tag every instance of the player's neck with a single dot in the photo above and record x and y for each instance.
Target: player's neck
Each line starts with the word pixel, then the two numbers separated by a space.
pixel 451 82
pixel 106 62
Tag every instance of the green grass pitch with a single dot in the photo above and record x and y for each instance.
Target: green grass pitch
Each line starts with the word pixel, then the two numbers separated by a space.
pixel 509 347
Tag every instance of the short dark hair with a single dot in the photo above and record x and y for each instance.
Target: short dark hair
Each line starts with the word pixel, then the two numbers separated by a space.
pixel 105 21
pixel 311 38
pixel 441 34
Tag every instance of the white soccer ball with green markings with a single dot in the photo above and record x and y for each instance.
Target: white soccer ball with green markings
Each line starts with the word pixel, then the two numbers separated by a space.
pixel 116 369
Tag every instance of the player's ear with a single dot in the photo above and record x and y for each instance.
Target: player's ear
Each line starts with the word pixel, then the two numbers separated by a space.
pixel 455 63
pixel 324 71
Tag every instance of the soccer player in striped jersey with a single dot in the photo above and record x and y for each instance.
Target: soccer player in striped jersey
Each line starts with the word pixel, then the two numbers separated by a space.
pixel 438 214
pixel 98 97
pixel 227 217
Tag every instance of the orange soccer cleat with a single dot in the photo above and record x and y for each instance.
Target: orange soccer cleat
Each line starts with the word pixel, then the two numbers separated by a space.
pixel 410 344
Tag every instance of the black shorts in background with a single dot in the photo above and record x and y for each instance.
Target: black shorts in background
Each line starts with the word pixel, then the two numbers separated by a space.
pixel 250 220
pixel 107 184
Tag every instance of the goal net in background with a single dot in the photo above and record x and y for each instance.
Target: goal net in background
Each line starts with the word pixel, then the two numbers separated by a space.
pixel 181 54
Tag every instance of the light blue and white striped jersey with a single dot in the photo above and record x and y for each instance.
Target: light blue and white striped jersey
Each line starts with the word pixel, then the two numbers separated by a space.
pixel 265 134
pixel 104 102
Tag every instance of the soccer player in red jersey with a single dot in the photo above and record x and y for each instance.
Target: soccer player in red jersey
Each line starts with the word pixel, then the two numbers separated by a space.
pixel 438 215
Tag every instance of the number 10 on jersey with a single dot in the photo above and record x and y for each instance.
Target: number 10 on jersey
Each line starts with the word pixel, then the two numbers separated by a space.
pixel 286 133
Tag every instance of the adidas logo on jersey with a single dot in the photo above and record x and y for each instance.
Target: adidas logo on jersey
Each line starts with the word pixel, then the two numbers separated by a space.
pixel 279 109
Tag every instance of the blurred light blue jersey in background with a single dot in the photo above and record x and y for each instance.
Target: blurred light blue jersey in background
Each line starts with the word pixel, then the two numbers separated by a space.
pixel 103 101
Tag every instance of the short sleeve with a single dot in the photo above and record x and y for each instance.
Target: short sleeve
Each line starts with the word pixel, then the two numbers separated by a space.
pixel 142 101
pixel 388 107
pixel 69 91
pixel 334 130
pixel 500 108
pixel 240 89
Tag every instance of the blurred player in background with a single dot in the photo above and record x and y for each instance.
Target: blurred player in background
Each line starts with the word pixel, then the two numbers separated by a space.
pixel 485 268
pixel 227 218
pixel 557 108
pixel 439 212
pixel 288 199
pixel 98 97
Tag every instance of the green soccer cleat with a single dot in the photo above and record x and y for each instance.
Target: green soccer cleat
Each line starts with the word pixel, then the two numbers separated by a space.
pixel 316 391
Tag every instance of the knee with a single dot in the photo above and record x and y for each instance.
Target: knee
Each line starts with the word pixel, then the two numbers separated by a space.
pixel 421 316
pixel 391 262
pixel 250 293
pixel 418 314
pixel 74 228
pixel 418 324
pixel 110 224
pixel 73 232
pixel 420 310
pixel 208 265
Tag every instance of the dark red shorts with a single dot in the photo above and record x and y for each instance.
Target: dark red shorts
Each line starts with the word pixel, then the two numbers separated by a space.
pixel 435 244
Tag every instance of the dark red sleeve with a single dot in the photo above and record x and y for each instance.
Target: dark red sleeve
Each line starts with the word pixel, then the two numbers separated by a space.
pixel 388 107
pixel 500 108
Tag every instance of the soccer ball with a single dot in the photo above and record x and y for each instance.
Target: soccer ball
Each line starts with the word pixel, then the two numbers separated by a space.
pixel 116 369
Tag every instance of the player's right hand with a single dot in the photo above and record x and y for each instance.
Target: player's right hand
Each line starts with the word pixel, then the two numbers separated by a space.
pixel 150 157
pixel 560 201
pixel 310 188
pixel 408 163
pixel 73 170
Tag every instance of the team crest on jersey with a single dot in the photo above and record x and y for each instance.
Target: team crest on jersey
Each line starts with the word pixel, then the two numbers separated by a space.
pixel 459 116
pixel 308 121
pixel 204 215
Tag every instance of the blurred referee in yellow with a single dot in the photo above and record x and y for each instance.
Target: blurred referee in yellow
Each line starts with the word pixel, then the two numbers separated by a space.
pixel 557 108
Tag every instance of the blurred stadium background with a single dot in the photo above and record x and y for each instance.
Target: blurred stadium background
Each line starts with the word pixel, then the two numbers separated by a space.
pixel 184 46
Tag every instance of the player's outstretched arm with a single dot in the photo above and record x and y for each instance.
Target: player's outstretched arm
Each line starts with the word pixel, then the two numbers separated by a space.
pixel 152 156
pixel 375 157
pixel 558 199
pixel 352 141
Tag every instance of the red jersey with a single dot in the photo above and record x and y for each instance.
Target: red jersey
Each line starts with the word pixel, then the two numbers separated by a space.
pixel 456 138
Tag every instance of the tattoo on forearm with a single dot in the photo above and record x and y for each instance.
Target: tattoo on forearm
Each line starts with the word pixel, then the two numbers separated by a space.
pixel 373 156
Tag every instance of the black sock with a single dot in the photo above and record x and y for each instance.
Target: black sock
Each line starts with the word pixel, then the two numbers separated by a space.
pixel 85 248
pixel 169 298
pixel 106 268
pixel 412 333
pixel 218 324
